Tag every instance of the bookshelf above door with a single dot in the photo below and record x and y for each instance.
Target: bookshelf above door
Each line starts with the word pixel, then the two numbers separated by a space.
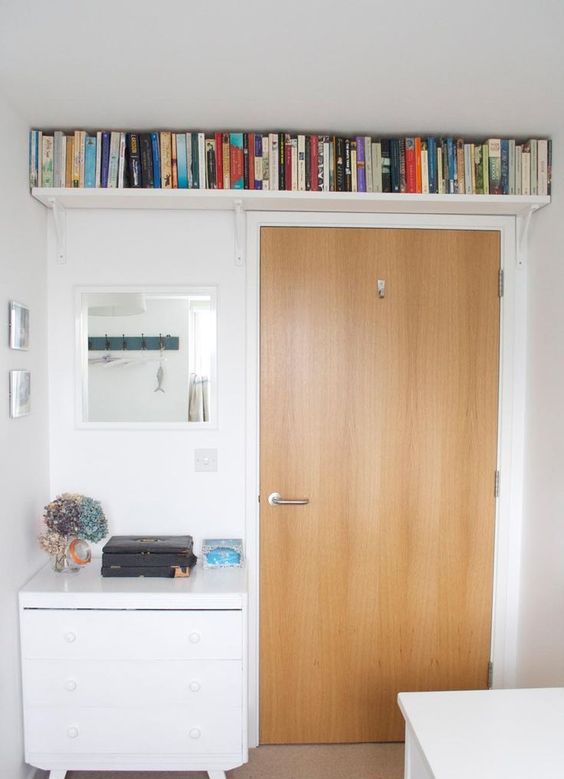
pixel 314 202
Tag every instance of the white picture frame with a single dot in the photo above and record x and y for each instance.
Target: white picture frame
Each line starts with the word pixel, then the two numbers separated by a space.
pixel 20 393
pixel 18 326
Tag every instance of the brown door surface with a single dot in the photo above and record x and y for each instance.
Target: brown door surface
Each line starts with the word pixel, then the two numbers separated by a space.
pixel 383 412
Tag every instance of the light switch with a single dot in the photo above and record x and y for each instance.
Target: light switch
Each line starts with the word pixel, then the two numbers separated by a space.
pixel 205 460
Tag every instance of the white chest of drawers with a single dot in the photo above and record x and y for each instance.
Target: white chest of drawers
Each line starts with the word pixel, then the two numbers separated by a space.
pixel 135 674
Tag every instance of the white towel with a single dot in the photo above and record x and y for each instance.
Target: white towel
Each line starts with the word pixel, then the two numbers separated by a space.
pixel 198 404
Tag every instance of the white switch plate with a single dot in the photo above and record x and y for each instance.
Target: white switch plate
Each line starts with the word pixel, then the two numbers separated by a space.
pixel 205 460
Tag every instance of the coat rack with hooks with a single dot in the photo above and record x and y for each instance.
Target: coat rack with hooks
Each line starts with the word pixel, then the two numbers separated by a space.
pixel 129 343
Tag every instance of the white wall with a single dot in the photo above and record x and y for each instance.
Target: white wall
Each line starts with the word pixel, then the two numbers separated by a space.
pixel 541 644
pixel 145 479
pixel 24 486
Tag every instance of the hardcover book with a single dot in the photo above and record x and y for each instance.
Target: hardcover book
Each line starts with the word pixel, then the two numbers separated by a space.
pixel 236 160
pixel 133 158
pixel 265 162
pixel 90 161
pixel 166 159
pixel 494 166
pixel 146 160
pixel 47 161
pixel 410 163
pixel 258 161
pixel 385 155
pixel 181 161
pixel 360 164
pixel 156 153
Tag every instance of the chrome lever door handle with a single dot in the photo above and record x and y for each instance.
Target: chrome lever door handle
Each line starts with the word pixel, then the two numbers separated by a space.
pixel 275 499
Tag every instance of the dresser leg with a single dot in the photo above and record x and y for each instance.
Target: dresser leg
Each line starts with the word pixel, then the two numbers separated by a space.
pixel 216 774
pixel 57 774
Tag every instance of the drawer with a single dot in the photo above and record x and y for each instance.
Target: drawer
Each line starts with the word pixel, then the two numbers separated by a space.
pixel 151 731
pixel 131 635
pixel 117 683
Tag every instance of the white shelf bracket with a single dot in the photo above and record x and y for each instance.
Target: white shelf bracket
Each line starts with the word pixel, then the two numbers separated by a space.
pixel 240 233
pixel 60 222
pixel 523 224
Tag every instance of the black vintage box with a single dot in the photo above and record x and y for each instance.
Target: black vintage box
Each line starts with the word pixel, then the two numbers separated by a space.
pixel 148 556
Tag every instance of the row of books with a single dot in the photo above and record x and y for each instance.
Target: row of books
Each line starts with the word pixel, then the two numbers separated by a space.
pixel 289 162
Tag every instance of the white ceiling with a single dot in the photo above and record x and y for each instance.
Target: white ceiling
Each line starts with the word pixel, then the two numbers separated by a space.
pixel 483 66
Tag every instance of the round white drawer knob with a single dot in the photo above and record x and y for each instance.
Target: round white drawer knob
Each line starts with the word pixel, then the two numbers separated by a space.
pixel 70 637
pixel 70 685
pixel 195 686
pixel 72 732
pixel 194 638
pixel 195 733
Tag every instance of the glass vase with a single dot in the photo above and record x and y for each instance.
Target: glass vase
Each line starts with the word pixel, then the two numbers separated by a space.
pixel 73 557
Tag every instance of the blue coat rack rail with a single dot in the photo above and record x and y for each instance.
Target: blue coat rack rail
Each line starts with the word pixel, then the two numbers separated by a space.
pixel 129 343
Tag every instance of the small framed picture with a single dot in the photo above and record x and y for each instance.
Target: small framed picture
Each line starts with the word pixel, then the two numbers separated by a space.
pixel 19 325
pixel 20 393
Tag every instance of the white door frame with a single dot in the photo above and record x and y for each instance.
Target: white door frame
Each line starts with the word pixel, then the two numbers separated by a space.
pixel 511 430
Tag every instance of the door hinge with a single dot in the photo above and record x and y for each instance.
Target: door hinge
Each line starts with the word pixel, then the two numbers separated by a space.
pixel 501 283
pixel 496 484
pixel 490 675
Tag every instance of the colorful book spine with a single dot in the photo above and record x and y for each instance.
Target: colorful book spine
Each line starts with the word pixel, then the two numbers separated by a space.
pixel 301 163
pixel 90 162
pixel 211 173
pixel 166 159
pixel 33 166
pixel 114 160
pixel 534 166
pixel 174 160
pixel 219 160
pixel 236 160
pixel 195 167
pixel 146 161
pixel 432 164
pixel 47 152
pixel 410 165
pixel 265 162
pixel 542 178
pixel 494 166
pixel 98 158
pixel 121 166
pixel 386 164
pixel 258 161
pixel 202 168
pixel 361 163
pixel 133 160
pixel 156 154
pixel 181 161
pixel 252 142
pixel 226 162
pixel 368 163
pixel 59 150
pixel 424 168
pixel 189 163
pixel 273 158
pixel 68 160
pixel 354 167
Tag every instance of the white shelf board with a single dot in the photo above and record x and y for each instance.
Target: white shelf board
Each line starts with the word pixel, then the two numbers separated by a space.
pixel 251 200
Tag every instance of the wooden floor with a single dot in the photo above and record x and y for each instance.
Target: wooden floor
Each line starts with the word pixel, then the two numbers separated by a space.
pixel 335 761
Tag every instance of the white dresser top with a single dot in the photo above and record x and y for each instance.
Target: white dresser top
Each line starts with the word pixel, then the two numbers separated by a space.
pixel 220 588
pixel 489 734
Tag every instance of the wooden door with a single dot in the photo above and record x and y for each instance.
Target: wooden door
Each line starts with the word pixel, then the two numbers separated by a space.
pixel 383 412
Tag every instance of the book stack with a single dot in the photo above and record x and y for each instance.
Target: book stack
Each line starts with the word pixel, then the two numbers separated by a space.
pixel 282 161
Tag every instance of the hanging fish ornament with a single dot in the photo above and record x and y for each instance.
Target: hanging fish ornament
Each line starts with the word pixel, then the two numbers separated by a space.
pixel 160 377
